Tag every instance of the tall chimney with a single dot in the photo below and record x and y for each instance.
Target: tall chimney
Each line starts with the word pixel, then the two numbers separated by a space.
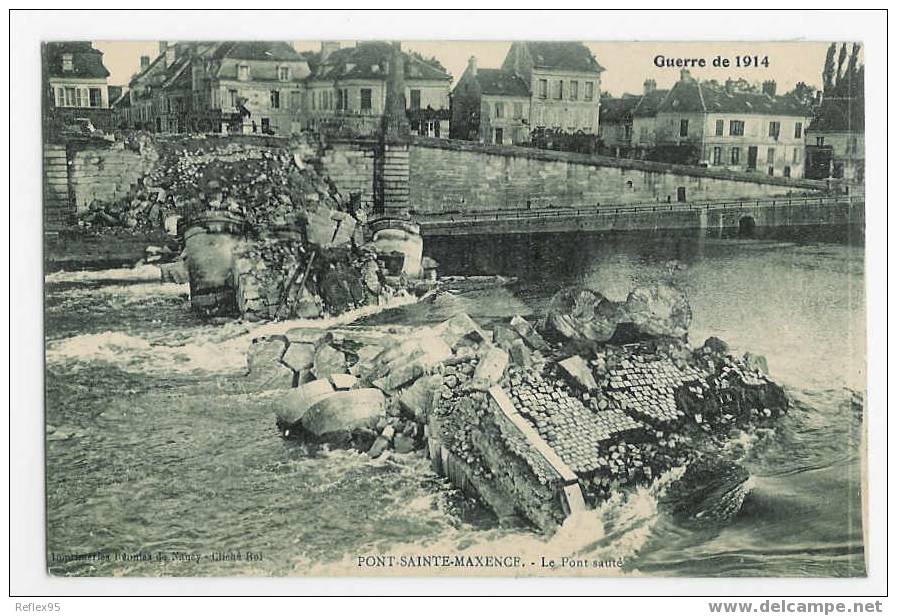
pixel 327 48
pixel 685 75
pixel 144 62
pixel 769 87
pixel 472 66
pixel 650 86
pixel 166 50
pixel 170 54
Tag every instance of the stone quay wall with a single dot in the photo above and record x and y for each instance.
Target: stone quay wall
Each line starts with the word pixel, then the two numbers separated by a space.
pixel 106 173
pixel 81 171
pixel 350 164
pixel 461 177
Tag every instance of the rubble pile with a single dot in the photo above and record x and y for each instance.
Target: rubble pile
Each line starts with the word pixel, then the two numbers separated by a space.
pixel 300 251
pixel 289 278
pixel 685 403
pixel 303 257
pixel 264 184
pixel 507 415
pixel 148 202
pixel 737 394
pixel 267 186
pixel 645 386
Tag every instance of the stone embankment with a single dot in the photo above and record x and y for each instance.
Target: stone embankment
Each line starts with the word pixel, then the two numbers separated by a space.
pixel 535 419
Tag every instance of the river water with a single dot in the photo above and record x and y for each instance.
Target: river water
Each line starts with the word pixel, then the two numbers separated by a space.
pixel 159 462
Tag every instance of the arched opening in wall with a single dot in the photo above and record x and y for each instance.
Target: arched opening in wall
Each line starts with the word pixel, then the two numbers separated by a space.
pixel 747 226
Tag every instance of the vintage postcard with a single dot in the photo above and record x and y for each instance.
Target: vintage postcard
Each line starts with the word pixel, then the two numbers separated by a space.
pixel 532 307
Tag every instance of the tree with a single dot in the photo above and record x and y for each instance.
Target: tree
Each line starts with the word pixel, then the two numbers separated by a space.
pixel 828 71
pixel 859 82
pixel 743 85
pixel 842 55
pixel 804 93
pixel 852 74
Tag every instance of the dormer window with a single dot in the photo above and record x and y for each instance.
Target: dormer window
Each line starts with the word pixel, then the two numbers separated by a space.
pixel 243 72
pixel 67 62
pixel 283 73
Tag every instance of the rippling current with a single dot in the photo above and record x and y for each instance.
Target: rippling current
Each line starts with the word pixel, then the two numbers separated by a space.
pixel 154 448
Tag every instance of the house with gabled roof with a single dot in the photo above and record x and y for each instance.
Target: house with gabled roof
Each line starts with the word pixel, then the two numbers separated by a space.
pixel 240 86
pixel 724 126
pixel 256 84
pixel 615 121
pixel 490 105
pixel 627 123
pixel 75 82
pixel 643 115
pixel 347 88
pixel 835 140
pixel 540 85
pixel 564 81
pixel 149 90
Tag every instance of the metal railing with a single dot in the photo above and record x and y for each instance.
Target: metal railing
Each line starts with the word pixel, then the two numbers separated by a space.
pixel 496 215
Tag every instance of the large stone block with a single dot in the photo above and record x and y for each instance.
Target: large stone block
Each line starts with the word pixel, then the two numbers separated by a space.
pixel 176 272
pixel 492 366
pixel 418 399
pixel 320 227
pixel 263 353
pixel 300 356
pixel 329 360
pixel 335 416
pixel 457 328
pixel 274 376
pixel 290 407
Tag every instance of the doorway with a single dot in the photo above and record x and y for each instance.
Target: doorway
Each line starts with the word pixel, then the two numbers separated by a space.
pixel 752 158
pixel 680 194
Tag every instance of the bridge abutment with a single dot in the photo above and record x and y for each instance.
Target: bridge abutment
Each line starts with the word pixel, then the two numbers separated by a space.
pixel 395 237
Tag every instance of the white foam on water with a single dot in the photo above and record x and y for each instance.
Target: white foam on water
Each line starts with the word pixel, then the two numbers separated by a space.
pixel 107 346
pixel 279 327
pixel 146 272
pixel 132 291
pixel 203 350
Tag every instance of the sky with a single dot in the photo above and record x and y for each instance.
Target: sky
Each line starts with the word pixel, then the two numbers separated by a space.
pixel 627 64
